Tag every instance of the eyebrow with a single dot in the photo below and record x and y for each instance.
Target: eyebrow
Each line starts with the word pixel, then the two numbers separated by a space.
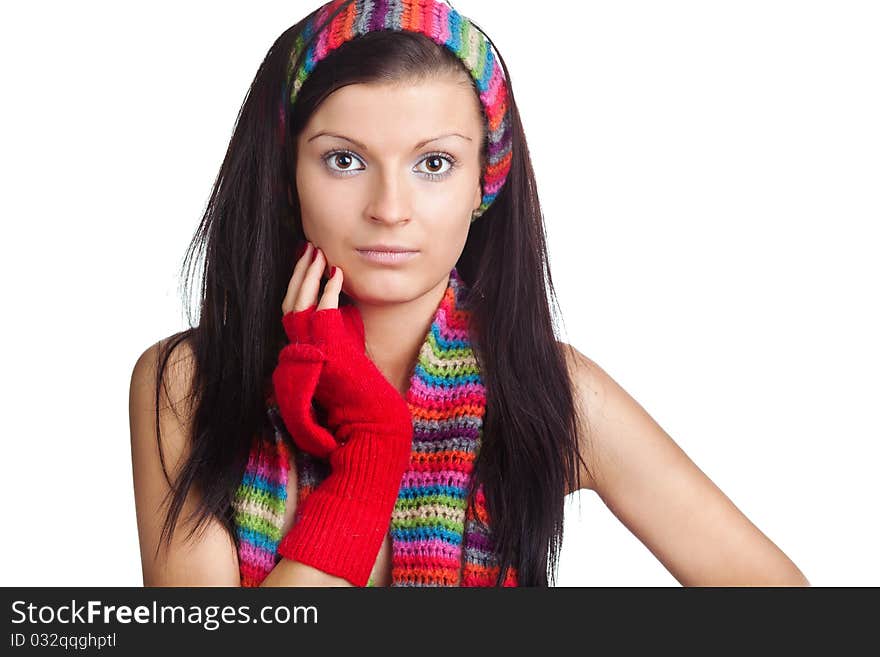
pixel 360 145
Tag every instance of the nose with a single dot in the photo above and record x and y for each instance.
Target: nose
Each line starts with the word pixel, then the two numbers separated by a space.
pixel 390 200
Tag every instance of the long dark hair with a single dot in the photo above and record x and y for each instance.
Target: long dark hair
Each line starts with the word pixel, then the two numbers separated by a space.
pixel 529 456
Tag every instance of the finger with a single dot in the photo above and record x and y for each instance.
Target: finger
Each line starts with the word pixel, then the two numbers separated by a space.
pixel 330 298
pixel 299 272
pixel 307 294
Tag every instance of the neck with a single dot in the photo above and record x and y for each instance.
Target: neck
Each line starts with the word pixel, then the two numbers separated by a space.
pixel 394 333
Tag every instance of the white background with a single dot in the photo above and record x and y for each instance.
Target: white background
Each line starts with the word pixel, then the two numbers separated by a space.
pixel 709 177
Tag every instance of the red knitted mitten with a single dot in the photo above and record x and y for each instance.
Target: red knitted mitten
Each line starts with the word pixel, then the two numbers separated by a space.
pixel 343 522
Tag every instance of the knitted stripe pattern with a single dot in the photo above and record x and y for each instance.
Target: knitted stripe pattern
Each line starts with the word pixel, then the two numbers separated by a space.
pixel 339 21
pixel 438 536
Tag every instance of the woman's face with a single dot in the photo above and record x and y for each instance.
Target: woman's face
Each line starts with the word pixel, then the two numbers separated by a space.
pixel 395 165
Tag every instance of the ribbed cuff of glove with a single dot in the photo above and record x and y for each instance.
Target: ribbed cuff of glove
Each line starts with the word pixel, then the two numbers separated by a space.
pixel 343 522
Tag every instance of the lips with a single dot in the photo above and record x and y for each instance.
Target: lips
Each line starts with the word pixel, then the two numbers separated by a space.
pixel 386 257
pixel 387 248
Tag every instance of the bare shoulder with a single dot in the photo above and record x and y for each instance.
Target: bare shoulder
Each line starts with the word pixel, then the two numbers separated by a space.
pixel 662 496
pixel 590 385
pixel 616 430
pixel 156 461
pixel 173 395
pixel 177 377
pixel 587 375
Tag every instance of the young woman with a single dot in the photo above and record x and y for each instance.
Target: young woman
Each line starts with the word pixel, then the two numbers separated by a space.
pixel 408 418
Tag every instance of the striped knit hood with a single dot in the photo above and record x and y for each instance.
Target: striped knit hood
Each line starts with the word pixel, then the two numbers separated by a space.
pixel 439 537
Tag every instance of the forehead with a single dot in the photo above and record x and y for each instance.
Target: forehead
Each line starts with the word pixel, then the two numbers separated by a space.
pixel 407 111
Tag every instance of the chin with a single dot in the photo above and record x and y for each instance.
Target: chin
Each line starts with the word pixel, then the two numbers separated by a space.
pixel 378 285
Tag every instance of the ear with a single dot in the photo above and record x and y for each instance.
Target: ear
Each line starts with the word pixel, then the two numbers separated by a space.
pixel 478 197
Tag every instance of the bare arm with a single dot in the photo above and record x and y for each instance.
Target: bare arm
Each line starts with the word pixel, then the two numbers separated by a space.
pixel 209 557
pixel 293 573
pixel 664 499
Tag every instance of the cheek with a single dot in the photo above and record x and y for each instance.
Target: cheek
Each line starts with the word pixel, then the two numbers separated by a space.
pixel 321 209
pixel 332 237
pixel 313 181
pixel 311 190
pixel 446 239
pixel 458 194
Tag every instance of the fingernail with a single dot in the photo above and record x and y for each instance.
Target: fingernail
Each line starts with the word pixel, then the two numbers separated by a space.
pixel 301 249
pixel 314 254
pixel 332 271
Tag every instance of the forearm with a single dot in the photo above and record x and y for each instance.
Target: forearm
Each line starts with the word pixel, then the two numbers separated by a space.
pixel 293 573
pixel 366 436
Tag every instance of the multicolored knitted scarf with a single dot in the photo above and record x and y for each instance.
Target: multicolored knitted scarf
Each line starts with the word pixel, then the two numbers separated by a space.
pixel 437 537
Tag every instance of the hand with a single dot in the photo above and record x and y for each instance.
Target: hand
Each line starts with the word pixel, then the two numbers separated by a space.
pixel 343 522
pixel 300 363
pixel 326 361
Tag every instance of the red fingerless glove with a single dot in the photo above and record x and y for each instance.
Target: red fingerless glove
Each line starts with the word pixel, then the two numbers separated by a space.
pixel 355 394
pixel 294 381
pixel 342 523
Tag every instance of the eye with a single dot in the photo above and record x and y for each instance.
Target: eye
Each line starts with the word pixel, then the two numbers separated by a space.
pixel 340 157
pixel 343 159
pixel 433 159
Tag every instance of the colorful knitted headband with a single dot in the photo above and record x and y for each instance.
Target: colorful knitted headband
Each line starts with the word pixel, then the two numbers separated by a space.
pixel 340 21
